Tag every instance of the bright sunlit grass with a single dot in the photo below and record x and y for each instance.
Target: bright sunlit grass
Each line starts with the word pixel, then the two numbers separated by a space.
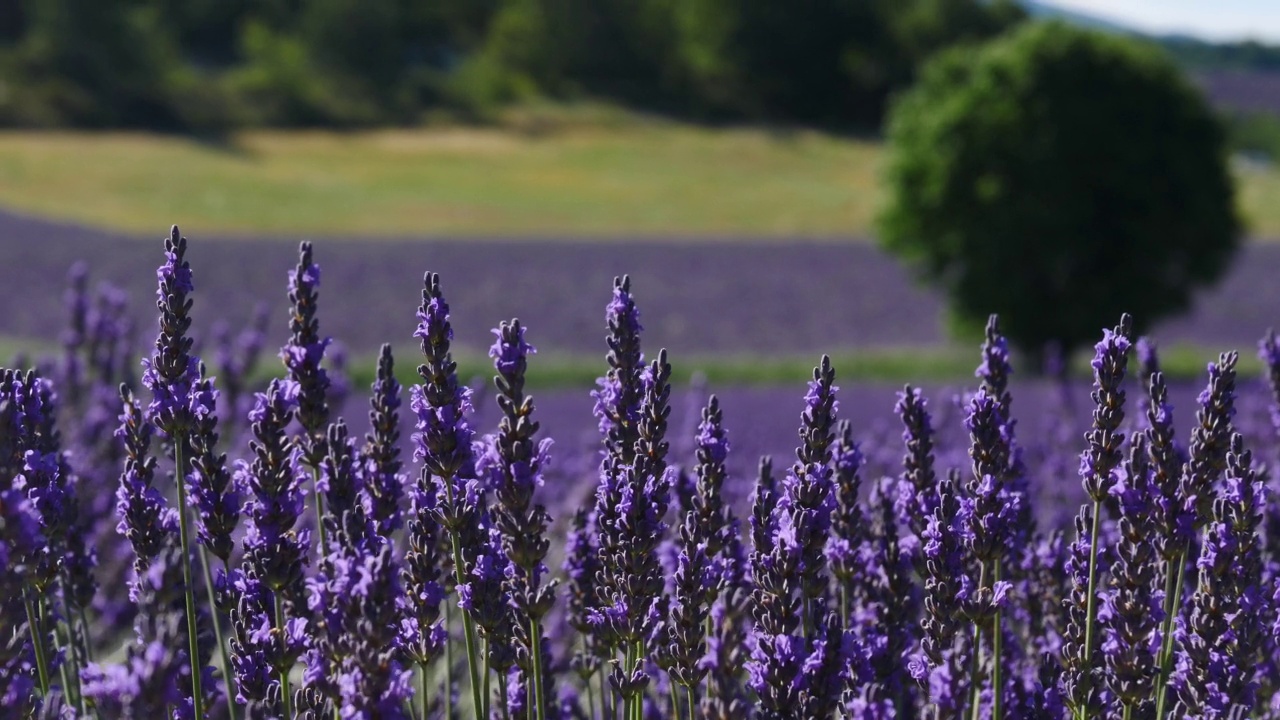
pixel 601 175
pixel 638 179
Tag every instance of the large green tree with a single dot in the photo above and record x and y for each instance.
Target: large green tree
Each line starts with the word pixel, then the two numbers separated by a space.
pixel 1058 177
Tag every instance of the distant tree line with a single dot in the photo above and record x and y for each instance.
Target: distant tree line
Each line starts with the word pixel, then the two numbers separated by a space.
pixel 207 65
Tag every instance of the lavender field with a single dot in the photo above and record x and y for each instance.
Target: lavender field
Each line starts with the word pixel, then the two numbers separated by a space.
pixel 1002 547
pixel 754 298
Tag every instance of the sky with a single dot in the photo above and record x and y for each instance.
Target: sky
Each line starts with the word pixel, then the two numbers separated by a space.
pixel 1207 19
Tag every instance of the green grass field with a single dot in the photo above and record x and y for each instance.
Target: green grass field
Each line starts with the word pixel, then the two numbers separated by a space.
pixel 640 179
pixel 624 178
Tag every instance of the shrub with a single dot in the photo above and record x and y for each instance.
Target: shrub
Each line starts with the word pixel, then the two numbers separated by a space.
pixel 1058 176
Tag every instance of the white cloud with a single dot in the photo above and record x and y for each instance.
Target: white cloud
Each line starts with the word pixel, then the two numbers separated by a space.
pixel 1210 19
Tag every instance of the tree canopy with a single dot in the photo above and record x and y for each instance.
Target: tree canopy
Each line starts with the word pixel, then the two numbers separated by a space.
pixel 1058 177
pixel 199 64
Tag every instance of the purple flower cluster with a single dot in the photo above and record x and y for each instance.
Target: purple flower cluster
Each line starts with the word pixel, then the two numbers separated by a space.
pixel 872 579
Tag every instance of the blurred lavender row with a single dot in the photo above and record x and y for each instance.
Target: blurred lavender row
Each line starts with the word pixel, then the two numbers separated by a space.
pixel 747 297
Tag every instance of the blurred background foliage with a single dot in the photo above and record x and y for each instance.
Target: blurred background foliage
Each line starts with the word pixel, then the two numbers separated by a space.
pixel 208 65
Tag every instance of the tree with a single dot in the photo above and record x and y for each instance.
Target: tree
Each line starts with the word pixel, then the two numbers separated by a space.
pixel 1058 177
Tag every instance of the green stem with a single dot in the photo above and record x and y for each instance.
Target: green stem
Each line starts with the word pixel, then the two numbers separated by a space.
pixel 84 632
pixel 997 689
pixel 448 659
pixel 591 699
pixel 286 694
pixel 422 688
pixel 502 696
pixel 37 641
pixel 319 497
pixel 484 668
pixel 193 643
pixel 71 675
pixel 227 678
pixel 628 701
pixel 539 702
pixel 637 711
pixel 1166 644
pixel 468 626
pixel 688 696
pixel 975 667
pixel 1091 601
pixel 1128 712
pixel 974 672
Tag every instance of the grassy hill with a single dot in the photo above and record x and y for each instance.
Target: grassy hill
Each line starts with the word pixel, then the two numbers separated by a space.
pixel 595 179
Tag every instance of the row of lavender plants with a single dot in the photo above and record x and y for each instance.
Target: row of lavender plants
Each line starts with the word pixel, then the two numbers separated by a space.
pixel 317 576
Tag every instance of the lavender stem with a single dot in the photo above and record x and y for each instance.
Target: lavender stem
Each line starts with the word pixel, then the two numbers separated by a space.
pixel 539 702
pixel 975 672
pixel 193 642
pixel 448 661
pixel 422 685
pixel 1166 646
pixel 37 641
pixel 468 625
pixel 217 632
pixel 997 700
pixel 286 695
pixel 1091 603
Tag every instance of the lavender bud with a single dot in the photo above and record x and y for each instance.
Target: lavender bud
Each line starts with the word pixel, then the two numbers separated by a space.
pixel 302 356
pixel 385 485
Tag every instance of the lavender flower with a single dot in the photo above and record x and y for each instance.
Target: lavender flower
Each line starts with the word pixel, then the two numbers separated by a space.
pixel 884 623
pixel 303 356
pixel 801 678
pixel 1099 472
pixel 514 462
pixel 1223 630
pixel 345 522
pixel 1131 609
pixel 809 492
pixel 385 486
pixel 685 642
pixel 1206 460
pixel 275 548
pixel 617 399
pixel 918 494
pixel 145 518
pixel 1081 679
pixel 173 376
pixel 1099 464
pixel 581 567
pixel 216 499
pixel 484 597
pixel 848 536
pixel 1210 438
pixel 353 659
pixel 172 373
pixel 944 563
pixel 153 681
pixel 990 531
pixel 443 442
pixel 995 368
pixel 631 577
pixel 267 640
pixel 21 542
pixel 1165 458
pixel 441 405
pixel 422 636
